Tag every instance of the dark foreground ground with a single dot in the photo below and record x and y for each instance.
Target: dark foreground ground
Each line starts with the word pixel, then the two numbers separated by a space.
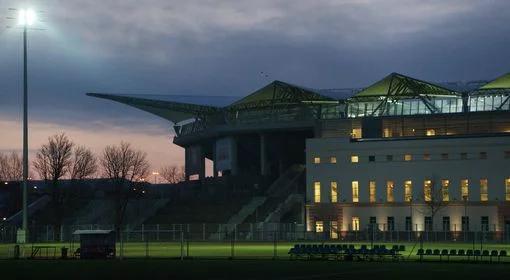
pixel 247 269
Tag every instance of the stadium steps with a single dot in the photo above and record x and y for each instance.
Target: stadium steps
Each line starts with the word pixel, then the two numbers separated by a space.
pixel 283 208
pixel 247 210
pixel 139 213
pixel 286 182
pixel 33 208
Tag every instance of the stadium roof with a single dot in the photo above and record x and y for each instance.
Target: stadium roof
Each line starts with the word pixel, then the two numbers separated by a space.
pixel 398 85
pixel 502 82
pixel 277 93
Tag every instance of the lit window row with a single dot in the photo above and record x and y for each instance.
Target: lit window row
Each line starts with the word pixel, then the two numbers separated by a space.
pixel 409 225
pixel 410 157
pixel 432 192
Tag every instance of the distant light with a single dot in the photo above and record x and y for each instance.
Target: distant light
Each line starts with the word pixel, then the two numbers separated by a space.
pixel 5 219
pixel 35 187
pixel 6 183
pixel 26 17
pixel 155 173
pixel 143 191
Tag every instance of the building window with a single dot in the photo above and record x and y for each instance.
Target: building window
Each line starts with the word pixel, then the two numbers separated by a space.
pixel 371 158
pixel 464 189
pixel 426 156
pixel 463 156
pixel 354 159
pixel 355 191
pixel 428 223
pixel 389 157
pixel 427 190
pixel 444 156
pixel 409 223
pixel 408 191
pixel 334 230
pixel 387 133
pixel 431 132
pixel 446 223
pixel 372 223
pixel 372 190
pixel 317 192
pixel 507 154
pixel 484 195
pixel 485 223
pixel 445 184
pixel 483 155
pixel 319 226
pixel 332 160
pixel 390 186
pixel 334 192
pixel 391 223
pixel 507 189
pixel 356 133
pixel 465 223
pixel 355 223
pixel 316 160
pixel 408 157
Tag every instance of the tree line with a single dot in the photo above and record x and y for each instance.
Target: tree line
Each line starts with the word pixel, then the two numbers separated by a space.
pixel 60 158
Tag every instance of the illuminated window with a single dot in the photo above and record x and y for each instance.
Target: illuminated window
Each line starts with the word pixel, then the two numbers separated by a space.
pixel 464 189
pixel 372 190
pixel 431 132
pixel 427 190
pixel 356 133
pixel 408 157
pixel 507 189
pixel 319 226
pixel 444 156
pixel 317 192
pixel 387 132
pixel 355 191
pixel 408 191
pixel 334 230
pixel 334 192
pixel 445 184
pixel 316 160
pixel 390 186
pixel 484 195
pixel 463 156
pixel 332 159
pixel 483 155
pixel 426 156
pixel 354 159
pixel 355 223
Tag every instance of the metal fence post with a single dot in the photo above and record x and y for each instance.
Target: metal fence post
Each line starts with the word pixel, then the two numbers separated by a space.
pixel 157 232
pixel 275 245
pixel 203 232
pixel 182 244
pixel 143 232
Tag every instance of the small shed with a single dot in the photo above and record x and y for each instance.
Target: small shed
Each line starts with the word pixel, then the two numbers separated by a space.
pixel 96 244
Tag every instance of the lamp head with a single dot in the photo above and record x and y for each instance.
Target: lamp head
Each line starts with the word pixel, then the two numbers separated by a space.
pixel 26 17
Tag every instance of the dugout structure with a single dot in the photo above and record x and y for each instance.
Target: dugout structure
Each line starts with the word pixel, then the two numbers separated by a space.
pixel 96 244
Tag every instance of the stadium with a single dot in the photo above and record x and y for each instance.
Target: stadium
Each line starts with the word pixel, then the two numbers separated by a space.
pixel 400 157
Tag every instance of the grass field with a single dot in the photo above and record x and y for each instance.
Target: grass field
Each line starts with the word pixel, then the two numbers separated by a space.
pixel 242 250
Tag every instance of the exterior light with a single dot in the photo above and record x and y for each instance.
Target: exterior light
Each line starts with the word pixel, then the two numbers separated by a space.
pixel 35 187
pixel 5 219
pixel 6 183
pixel 26 17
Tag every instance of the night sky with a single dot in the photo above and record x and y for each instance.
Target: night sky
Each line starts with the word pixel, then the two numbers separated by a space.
pixel 220 48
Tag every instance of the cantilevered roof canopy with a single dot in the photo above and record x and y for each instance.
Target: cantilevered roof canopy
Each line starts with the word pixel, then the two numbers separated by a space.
pixel 502 82
pixel 277 93
pixel 397 85
pixel 173 111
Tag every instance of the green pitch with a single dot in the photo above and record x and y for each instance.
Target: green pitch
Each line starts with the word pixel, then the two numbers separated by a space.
pixel 241 250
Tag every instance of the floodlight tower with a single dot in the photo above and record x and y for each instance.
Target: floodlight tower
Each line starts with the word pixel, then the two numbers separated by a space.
pixel 26 18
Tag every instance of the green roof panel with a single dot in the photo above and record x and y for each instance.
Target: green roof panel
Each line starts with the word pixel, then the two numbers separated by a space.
pixel 502 82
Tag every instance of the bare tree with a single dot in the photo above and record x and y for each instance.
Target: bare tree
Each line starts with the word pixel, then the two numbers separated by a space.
pixel 83 164
pixel 11 168
pixel 172 174
pixel 434 198
pixel 123 165
pixel 52 162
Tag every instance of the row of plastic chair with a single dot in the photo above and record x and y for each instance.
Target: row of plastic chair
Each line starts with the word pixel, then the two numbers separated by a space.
pixel 462 253
pixel 324 250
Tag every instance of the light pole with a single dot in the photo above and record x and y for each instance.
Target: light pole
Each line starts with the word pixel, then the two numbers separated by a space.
pixel 155 173
pixel 26 18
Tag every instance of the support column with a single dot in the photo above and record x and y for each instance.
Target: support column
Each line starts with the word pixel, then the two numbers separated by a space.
pixel 263 155
pixel 233 154
pixel 215 165
pixel 201 163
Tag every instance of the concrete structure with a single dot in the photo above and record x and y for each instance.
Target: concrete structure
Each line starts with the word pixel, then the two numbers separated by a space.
pixel 401 145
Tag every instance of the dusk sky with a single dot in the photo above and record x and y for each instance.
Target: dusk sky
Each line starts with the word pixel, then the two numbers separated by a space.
pixel 219 48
